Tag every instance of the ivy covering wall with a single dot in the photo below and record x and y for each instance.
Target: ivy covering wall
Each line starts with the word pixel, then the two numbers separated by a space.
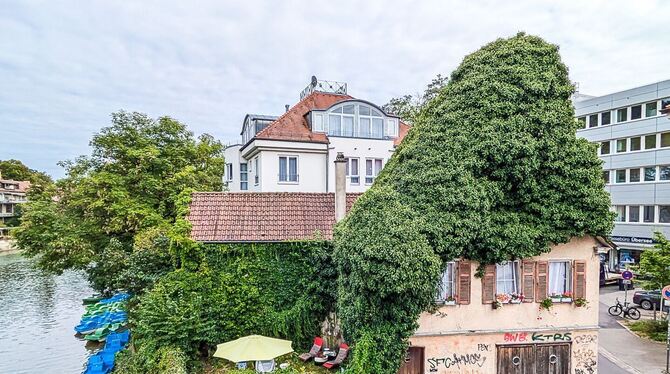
pixel 491 171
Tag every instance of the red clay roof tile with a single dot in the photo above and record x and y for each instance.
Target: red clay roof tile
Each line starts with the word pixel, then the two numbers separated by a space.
pixel 263 216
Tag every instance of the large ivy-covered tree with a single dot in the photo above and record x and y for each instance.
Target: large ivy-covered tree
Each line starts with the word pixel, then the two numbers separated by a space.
pixel 18 171
pixel 491 171
pixel 114 208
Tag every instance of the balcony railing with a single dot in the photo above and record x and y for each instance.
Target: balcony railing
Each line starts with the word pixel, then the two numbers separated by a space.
pixel 324 86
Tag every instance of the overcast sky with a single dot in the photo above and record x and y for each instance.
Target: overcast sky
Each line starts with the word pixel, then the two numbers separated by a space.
pixel 65 66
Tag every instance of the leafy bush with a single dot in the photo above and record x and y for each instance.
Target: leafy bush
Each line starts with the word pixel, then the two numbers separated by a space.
pixel 165 360
pixel 654 330
pixel 491 171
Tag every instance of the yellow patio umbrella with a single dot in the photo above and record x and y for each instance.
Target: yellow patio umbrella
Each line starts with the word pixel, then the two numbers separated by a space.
pixel 253 348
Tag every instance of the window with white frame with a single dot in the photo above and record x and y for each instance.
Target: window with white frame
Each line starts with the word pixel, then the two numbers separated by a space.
pixel 244 184
pixel 288 169
pixel 447 290
pixel 256 176
pixel 559 279
pixel 593 120
pixel 355 120
pixel 605 118
pixel 372 168
pixel 229 172
pixel 622 115
pixel 507 278
pixel 392 127
pixel 353 172
pixel 605 148
pixel 620 211
pixel 651 109
pixel 317 124
pixel 664 213
pixel 634 213
pixel 664 173
pixel 649 214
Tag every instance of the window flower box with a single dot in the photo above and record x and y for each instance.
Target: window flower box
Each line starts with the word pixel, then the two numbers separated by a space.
pixel 515 301
pixel 450 302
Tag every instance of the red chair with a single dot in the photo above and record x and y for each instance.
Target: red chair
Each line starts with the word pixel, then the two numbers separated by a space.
pixel 341 356
pixel 316 348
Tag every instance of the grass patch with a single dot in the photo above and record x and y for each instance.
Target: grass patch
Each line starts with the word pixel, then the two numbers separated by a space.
pixel 220 366
pixel 654 330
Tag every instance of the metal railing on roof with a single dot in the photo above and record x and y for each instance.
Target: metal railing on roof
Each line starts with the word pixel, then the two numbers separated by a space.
pixel 339 88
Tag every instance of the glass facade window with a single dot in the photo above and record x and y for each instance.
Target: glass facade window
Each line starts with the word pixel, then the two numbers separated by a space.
pixel 636 112
pixel 605 118
pixel 664 173
pixel 620 213
pixel 650 174
pixel 621 176
pixel 651 109
pixel 665 139
pixel 633 213
pixel 593 120
pixel 664 214
pixel 244 184
pixel 622 115
pixel 605 148
pixel 648 215
pixel 634 175
pixel 635 143
pixel 621 145
pixel 650 141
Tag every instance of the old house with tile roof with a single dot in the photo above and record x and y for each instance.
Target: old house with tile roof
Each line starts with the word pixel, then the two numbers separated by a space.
pixel 294 152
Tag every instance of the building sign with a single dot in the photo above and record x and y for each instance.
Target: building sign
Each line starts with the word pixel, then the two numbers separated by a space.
pixel 632 239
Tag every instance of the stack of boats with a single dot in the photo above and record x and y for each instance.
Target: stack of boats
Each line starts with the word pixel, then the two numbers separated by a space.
pixel 105 320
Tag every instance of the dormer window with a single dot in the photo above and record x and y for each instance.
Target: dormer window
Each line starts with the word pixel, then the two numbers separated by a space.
pixel 357 120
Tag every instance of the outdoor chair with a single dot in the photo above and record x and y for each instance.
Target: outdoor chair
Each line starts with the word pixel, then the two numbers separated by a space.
pixel 265 366
pixel 316 348
pixel 341 356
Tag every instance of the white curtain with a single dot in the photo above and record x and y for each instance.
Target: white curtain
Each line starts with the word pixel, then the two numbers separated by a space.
pixel 557 277
pixel 506 278
pixel 447 284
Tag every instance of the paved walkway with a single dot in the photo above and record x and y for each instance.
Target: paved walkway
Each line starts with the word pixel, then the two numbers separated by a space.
pixel 622 347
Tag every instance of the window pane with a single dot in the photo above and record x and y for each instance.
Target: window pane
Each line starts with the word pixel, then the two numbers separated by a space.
pixel 446 289
pixel 634 213
pixel 621 145
pixel 622 115
pixel 651 109
pixel 378 166
pixel 634 175
pixel 559 273
pixel 364 110
pixel 375 113
pixel 593 120
pixel 348 109
pixel 636 112
pixel 665 139
pixel 293 169
pixel 282 169
pixel 664 214
pixel 605 148
pixel 605 118
pixel 337 110
pixel 635 143
pixel 620 213
pixel 664 173
pixel 347 126
pixel 377 127
pixel 354 166
pixel 368 171
pixel 606 176
pixel 648 213
pixel 650 174
pixel 334 127
pixel 506 278
pixel 650 141
pixel 621 176
pixel 364 130
pixel 318 122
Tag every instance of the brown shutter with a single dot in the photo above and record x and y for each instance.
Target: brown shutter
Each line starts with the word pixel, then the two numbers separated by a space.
pixel 489 284
pixel 542 279
pixel 528 281
pixel 464 272
pixel 579 279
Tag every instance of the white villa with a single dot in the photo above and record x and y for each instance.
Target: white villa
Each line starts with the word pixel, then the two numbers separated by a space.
pixel 295 151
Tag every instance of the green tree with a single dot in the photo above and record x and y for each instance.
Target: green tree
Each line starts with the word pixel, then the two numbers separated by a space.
pixel 129 185
pixel 491 171
pixel 407 107
pixel 16 170
pixel 655 263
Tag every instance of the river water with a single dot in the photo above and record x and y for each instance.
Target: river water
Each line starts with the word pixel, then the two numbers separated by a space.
pixel 37 315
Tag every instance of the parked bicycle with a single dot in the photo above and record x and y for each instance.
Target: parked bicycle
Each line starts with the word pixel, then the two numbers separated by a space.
pixel 628 311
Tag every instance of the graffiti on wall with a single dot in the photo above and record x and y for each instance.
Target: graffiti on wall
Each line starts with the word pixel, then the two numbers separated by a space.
pixel 515 337
pixel 558 337
pixel 584 356
pixel 457 361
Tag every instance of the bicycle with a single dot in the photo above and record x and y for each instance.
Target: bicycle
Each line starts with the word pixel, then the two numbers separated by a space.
pixel 628 311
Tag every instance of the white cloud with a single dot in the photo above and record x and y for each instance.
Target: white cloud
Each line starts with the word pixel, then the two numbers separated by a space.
pixel 64 66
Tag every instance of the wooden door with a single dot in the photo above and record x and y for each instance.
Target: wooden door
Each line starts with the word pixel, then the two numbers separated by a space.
pixel 552 359
pixel 516 359
pixel 413 363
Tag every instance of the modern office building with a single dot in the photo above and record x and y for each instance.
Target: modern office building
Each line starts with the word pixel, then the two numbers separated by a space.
pixel 634 139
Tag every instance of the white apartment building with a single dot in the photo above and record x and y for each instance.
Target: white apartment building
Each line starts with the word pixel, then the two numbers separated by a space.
pixel 295 151
pixel 11 193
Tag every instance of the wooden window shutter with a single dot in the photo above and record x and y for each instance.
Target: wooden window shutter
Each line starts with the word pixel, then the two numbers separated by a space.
pixel 528 281
pixel 579 279
pixel 489 284
pixel 542 280
pixel 464 273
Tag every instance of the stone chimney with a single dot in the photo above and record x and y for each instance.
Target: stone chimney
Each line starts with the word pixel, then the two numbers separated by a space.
pixel 340 187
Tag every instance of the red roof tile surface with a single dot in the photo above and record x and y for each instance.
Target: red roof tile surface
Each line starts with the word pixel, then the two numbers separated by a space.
pixel 403 129
pixel 292 125
pixel 222 217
